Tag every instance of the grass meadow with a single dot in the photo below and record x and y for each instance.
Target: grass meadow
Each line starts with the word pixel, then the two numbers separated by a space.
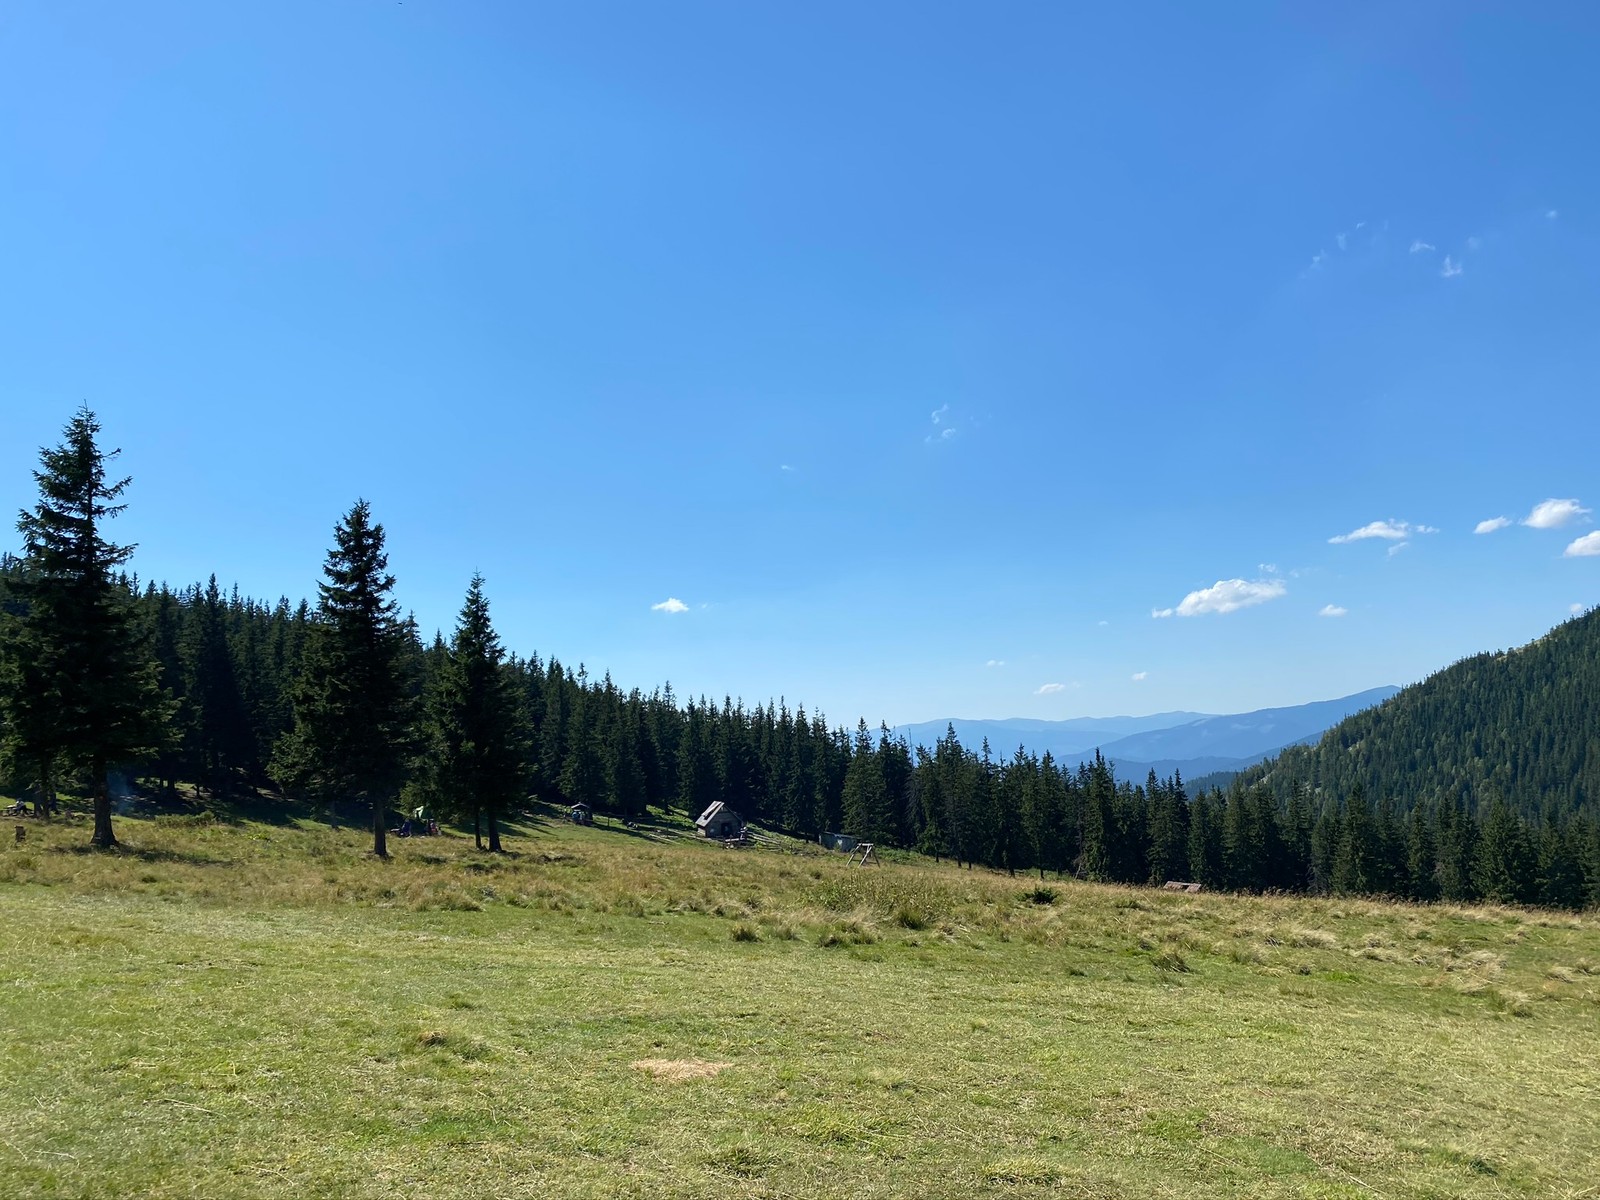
pixel 261 1010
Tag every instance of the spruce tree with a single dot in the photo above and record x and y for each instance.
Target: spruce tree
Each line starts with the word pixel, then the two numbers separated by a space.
pixel 353 707
pixel 83 684
pixel 477 749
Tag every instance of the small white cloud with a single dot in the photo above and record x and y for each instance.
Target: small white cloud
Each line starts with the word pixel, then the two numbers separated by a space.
pixel 938 414
pixel 1317 260
pixel 1492 524
pixel 1551 215
pixel 1105 622
pixel 1397 547
pixel 1576 609
pixel 1450 269
pixel 1340 240
pixel 1553 514
pixel 1267 568
pixel 948 432
pixel 1332 610
pixel 785 467
pixel 1050 689
pixel 1418 246
pixel 995 662
pixel 670 605
pixel 1361 224
pixel 1225 596
pixel 1474 243
pixel 1140 676
pixel 1588 546
pixel 1390 531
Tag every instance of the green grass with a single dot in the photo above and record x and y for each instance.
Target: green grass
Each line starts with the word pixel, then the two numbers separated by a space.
pixel 252 1010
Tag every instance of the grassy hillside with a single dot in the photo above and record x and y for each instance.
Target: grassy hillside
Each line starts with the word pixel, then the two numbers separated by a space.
pixel 254 1010
pixel 1522 723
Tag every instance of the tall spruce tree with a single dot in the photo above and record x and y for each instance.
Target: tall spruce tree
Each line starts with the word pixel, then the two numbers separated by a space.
pixel 353 708
pixel 476 757
pixel 83 683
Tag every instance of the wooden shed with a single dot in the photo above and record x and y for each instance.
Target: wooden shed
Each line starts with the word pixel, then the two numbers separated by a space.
pixel 720 821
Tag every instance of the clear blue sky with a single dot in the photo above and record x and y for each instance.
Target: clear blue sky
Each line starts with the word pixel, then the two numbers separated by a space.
pixel 891 340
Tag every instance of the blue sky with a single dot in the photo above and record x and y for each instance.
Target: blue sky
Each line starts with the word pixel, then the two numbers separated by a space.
pixel 920 352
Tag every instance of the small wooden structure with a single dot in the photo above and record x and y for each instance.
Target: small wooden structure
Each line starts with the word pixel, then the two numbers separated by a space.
pixel 864 854
pixel 581 814
pixel 720 822
pixel 1177 885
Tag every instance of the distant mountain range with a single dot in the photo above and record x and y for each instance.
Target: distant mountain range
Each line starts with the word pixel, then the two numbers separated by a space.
pixel 1193 743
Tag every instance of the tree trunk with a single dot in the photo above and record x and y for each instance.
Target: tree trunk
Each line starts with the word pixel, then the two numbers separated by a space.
pixel 380 832
pixel 477 827
pixel 494 834
pixel 103 837
pixel 45 805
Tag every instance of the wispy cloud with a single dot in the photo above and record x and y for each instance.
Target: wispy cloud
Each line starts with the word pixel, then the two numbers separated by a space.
pixel 1390 531
pixel 1576 609
pixel 1492 524
pixel 1140 676
pixel 1049 689
pixel 995 662
pixel 670 605
pixel 1418 246
pixel 1474 243
pixel 1553 514
pixel 1225 596
pixel 1397 547
pixel 1551 215
pixel 1450 269
pixel 943 431
pixel 939 414
pixel 1332 610
pixel 785 467
pixel 1340 239
pixel 1588 546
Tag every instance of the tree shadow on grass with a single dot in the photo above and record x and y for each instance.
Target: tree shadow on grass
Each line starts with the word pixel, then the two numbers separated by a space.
pixel 143 854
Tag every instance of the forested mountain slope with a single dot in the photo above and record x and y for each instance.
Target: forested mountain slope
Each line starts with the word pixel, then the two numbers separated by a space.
pixel 1523 724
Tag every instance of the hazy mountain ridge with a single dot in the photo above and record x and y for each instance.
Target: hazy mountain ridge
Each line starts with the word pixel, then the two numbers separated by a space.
pixel 1193 743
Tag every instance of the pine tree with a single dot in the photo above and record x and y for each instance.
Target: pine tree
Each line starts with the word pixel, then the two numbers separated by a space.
pixel 1506 869
pixel 477 748
pixel 83 683
pixel 353 707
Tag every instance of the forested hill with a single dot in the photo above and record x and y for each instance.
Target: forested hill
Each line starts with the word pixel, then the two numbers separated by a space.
pixel 1522 724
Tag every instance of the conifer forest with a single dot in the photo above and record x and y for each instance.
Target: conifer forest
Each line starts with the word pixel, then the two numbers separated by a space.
pixel 1475 784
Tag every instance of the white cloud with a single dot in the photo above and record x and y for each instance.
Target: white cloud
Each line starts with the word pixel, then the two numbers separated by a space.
pixel 1576 609
pixel 1552 215
pixel 1397 547
pixel 1553 514
pixel 1340 240
pixel 1105 622
pixel 785 467
pixel 938 414
pixel 1588 546
pixel 1317 260
pixel 1332 610
pixel 1050 689
pixel 1267 568
pixel 1140 676
pixel 670 605
pixel 1225 596
pixel 1418 246
pixel 995 662
pixel 1390 531
pixel 1450 269
pixel 1492 524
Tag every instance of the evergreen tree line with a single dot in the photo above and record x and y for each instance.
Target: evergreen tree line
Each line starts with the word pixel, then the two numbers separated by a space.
pixel 343 701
